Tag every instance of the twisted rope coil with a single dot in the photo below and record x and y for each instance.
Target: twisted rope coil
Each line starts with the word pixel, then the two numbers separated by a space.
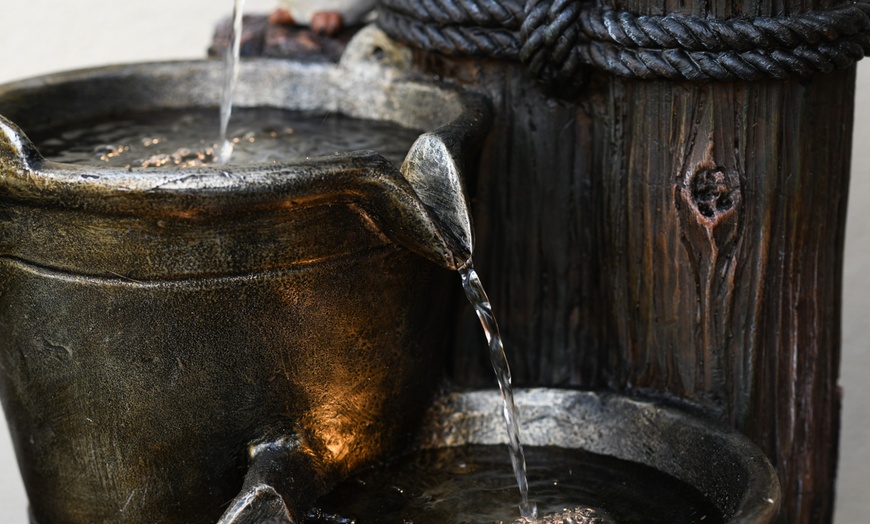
pixel 504 14
pixel 557 39
pixel 454 39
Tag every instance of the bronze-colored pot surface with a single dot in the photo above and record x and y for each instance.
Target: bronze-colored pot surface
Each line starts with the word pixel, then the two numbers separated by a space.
pixel 165 334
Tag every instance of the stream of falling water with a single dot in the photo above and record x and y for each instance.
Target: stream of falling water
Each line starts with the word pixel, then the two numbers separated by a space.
pixel 477 296
pixel 231 76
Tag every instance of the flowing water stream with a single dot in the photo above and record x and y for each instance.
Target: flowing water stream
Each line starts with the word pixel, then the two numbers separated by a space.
pixel 231 77
pixel 477 296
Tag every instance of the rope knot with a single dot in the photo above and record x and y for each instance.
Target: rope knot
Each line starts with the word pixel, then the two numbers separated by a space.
pixel 549 38
pixel 558 39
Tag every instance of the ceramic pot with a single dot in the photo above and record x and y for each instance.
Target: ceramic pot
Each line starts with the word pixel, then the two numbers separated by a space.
pixel 170 340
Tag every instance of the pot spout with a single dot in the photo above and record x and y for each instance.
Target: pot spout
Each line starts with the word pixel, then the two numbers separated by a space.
pixel 438 162
pixel 435 173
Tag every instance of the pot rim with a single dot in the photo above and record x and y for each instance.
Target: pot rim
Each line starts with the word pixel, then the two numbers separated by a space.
pixel 461 112
pixel 407 209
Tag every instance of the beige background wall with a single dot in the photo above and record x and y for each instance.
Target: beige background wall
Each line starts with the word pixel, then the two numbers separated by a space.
pixel 40 36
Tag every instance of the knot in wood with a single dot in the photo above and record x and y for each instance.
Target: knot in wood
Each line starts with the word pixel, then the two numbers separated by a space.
pixel 712 192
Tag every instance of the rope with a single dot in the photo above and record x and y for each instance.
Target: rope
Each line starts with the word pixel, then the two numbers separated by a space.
pixel 505 14
pixel 455 40
pixel 551 38
pixel 557 39
pixel 679 64
pixel 737 34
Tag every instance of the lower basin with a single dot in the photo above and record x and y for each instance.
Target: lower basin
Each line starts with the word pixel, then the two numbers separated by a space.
pixel 637 454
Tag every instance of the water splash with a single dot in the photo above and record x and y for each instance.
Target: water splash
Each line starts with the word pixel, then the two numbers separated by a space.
pixel 231 77
pixel 570 516
pixel 477 296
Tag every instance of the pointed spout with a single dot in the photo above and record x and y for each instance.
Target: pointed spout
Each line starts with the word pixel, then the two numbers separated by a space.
pixel 436 178
pixel 435 167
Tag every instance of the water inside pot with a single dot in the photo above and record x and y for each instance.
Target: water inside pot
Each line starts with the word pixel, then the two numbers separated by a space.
pixel 474 484
pixel 184 138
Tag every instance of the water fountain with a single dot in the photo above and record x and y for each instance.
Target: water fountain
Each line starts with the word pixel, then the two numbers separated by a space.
pixel 234 340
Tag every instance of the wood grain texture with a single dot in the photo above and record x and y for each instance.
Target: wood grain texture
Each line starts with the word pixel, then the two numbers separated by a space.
pixel 732 217
pixel 677 239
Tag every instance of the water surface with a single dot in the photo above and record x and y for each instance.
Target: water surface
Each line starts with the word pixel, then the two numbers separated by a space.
pixel 475 485
pixel 179 138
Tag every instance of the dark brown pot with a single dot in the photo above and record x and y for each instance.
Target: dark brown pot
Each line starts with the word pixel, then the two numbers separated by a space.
pixel 163 332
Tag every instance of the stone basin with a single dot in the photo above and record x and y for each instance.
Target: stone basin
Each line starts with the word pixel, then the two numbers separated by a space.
pixel 724 466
